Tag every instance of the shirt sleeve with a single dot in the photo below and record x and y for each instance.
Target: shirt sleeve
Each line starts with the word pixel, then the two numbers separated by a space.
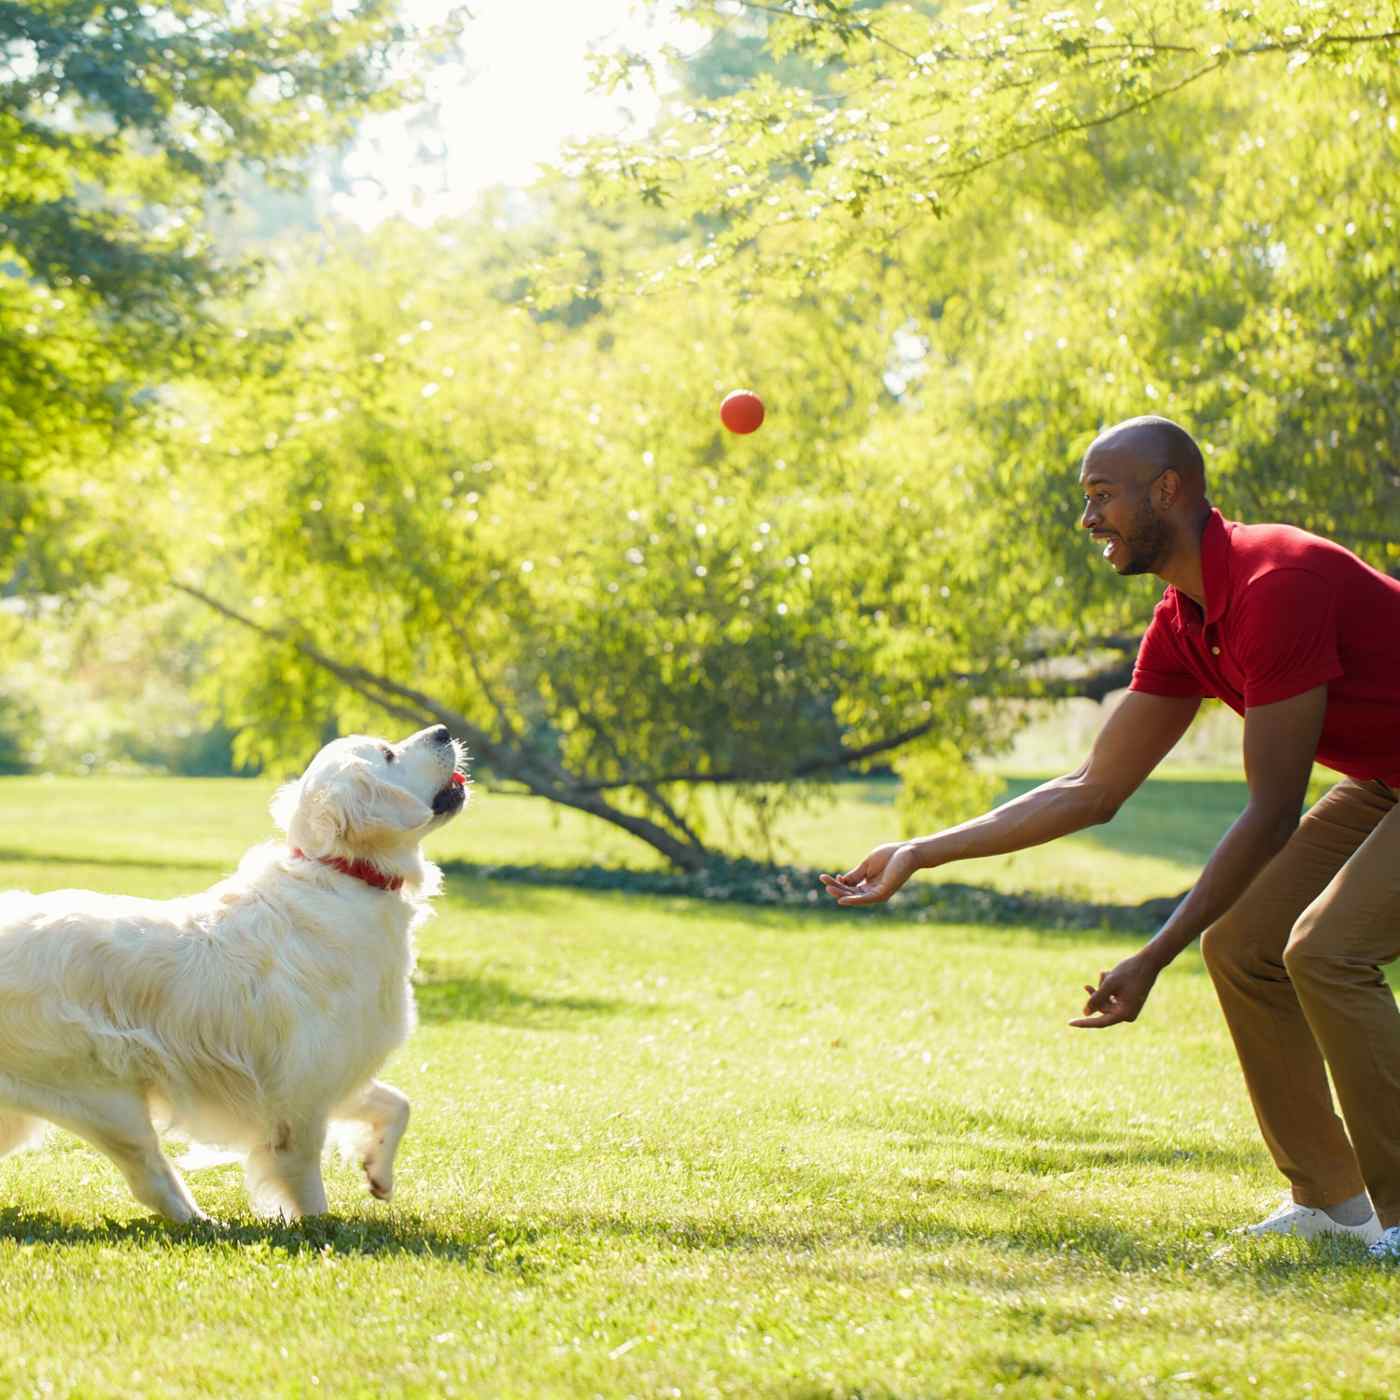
pixel 1286 642
pixel 1160 668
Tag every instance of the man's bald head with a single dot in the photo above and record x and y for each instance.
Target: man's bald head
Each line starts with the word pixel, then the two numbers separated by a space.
pixel 1138 450
pixel 1144 493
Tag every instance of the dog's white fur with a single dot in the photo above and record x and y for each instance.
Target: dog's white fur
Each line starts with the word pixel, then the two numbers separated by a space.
pixel 252 1016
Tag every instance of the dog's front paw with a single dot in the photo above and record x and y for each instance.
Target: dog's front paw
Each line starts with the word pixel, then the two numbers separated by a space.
pixel 379 1177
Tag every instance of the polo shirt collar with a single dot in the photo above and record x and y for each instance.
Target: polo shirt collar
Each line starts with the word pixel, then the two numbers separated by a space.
pixel 1215 565
pixel 1215 576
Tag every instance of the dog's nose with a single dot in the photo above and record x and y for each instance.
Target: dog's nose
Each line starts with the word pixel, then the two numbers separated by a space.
pixel 440 734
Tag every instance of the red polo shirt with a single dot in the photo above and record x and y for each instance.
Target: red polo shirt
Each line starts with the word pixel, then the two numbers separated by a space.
pixel 1286 611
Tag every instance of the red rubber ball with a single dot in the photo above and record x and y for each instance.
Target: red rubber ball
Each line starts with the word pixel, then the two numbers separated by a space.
pixel 741 411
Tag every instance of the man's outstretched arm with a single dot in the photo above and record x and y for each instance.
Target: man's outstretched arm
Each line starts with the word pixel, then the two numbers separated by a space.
pixel 1280 743
pixel 1134 739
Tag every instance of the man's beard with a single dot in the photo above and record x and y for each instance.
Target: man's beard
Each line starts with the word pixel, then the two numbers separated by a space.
pixel 1147 541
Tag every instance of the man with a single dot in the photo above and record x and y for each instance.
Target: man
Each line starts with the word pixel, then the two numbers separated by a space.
pixel 1303 639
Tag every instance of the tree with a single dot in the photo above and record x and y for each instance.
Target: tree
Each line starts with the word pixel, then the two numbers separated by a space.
pixel 457 505
pixel 428 500
pixel 117 125
pixel 897 109
pixel 1083 215
pixel 476 478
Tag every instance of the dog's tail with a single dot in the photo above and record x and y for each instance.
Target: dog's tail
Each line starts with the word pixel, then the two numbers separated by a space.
pixel 19 1130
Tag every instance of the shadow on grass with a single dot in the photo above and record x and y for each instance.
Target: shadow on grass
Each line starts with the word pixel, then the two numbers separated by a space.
pixel 473 998
pixel 753 884
pixel 10 856
pixel 493 1246
pixel 1181 817
pixel 1039 1147
pixel 935 1244
pixel 552 1241
pixel 1277 1263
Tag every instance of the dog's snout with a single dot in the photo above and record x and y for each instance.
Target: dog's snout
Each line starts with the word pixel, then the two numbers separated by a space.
pixel 440 734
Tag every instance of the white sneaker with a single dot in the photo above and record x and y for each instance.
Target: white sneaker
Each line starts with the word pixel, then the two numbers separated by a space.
pixel 1307 1223
pixel 1388 1246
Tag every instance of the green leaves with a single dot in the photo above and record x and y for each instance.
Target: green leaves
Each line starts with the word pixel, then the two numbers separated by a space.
pixel 543 527
pixel 894 111
pixel 486 466
pixel 118 127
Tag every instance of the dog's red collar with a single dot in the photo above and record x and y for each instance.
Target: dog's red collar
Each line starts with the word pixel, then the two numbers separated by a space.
pixel 360 869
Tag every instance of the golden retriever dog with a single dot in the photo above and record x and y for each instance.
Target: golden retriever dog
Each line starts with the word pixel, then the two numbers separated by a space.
pixel 252 1017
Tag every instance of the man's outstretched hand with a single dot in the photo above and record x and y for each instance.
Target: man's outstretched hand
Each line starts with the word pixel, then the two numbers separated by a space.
pixel 1120 995
pixel 876 878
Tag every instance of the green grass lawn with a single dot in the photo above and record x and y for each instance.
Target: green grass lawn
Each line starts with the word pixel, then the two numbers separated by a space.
pixel 669 1148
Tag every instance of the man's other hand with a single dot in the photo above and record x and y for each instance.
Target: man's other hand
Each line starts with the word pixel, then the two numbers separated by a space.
pixel 1120 995
pixel 877 877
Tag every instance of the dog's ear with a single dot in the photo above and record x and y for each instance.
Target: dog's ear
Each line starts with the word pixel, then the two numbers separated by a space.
pixel 385 807
pixel 356 805
pixel 308 813
pixel 284 804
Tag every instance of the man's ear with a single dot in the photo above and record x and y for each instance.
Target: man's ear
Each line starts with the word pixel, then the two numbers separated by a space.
pixel 1167 488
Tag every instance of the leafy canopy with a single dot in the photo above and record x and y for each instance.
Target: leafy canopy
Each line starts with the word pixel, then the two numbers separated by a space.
pixel 870 119
pixel 482 461
pixel 543 528
pixel 118 124
pixel 476 475
pixel 1076 214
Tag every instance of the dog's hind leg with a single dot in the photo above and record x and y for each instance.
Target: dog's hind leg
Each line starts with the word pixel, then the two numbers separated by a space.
pixel 117 1122
pixel 284 1176
pixel 376 1118
pixel 18 1130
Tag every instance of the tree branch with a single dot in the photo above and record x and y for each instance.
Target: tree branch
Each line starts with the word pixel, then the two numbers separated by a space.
pixel 1070 128
pixel 852 26
pixel 365 682
pixel 866 29
pixel 406 702
pixel 469 651
pixel 649 790
pixel 1092 687
pixel 1221 56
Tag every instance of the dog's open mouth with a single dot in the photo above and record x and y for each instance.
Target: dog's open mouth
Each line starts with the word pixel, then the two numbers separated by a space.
pixel 452 796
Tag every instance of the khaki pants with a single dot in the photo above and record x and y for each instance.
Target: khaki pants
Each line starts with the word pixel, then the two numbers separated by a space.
pixel 1296 964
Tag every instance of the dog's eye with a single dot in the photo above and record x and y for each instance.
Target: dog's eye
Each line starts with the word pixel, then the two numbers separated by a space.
pixel 388 754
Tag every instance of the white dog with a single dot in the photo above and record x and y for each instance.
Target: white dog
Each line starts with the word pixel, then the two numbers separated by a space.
pixel 252 1016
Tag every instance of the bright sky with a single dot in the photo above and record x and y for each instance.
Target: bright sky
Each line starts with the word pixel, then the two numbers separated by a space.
pixel 523 93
